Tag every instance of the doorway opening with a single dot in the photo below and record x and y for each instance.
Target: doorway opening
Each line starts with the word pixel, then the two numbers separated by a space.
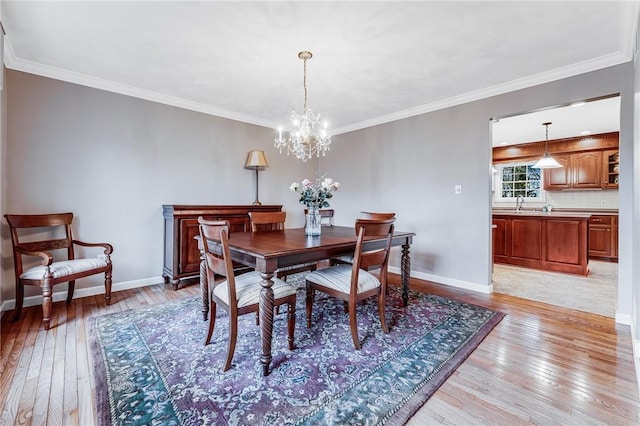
pixel 576 127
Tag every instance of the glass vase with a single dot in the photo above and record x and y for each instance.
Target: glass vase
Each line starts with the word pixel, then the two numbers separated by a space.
pixel 313 222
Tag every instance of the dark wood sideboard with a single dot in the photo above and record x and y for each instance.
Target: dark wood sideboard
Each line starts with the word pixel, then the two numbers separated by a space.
pixel 181 253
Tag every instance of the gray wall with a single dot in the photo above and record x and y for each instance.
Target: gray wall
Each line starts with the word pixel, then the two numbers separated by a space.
pixel 115 160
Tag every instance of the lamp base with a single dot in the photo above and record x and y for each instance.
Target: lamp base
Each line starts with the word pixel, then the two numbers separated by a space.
pixel 257 203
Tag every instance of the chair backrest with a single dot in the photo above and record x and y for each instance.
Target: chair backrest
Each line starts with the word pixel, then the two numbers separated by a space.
pixel 375 257
pixel 218 260
pixel 377 215
pixel 267 221
pixel 326 216
pixel 47 239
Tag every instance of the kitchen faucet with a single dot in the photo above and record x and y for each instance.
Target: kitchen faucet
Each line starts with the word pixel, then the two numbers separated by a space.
pixel 519 202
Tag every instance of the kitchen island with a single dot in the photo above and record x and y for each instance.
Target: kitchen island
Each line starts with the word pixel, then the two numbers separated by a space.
pixel 554 241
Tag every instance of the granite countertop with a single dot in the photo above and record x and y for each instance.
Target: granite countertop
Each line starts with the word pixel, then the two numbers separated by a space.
pixel 564 212
pixel 553 213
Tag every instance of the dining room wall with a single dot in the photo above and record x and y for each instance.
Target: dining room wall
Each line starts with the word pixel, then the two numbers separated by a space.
pixel 411 166
pixel 114 160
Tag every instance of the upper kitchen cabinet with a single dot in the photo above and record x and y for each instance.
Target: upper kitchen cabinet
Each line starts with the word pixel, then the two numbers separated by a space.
pixel 581 170
pixel 610 168
pixel 589 162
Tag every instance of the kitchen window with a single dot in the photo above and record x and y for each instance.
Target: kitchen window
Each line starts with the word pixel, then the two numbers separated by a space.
pixel 523 179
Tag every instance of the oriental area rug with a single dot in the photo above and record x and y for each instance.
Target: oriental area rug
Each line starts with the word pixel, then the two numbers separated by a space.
pixel 151 366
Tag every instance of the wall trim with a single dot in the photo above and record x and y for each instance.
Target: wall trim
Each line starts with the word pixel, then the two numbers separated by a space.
pixel 59 296
pixel 467 285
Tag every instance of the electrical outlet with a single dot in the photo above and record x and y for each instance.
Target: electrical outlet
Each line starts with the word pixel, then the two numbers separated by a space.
pixel 603 203
pixel 457 189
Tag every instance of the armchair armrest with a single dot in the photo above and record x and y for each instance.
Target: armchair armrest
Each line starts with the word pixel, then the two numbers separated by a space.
pixel 108 248
pixel 47 258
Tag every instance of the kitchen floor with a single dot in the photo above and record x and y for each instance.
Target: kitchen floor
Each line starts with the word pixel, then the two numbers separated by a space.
pixel 595 293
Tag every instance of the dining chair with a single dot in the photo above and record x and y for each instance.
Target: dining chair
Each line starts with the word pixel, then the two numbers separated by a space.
pixel 326 216
pixel 274 221
pixel 353 283
pixel 42 235
pixel 348 259
pixel 237 295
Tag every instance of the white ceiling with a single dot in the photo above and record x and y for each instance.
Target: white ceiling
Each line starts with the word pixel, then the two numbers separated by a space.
pixel 373 62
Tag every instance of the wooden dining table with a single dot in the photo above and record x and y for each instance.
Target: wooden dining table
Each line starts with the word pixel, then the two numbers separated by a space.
pixel 267 251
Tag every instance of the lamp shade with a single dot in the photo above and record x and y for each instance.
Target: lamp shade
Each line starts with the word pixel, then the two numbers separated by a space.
pixel 547 162
pixel 256 160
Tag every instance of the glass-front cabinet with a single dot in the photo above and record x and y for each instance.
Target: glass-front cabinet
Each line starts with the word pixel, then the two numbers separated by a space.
pixel 611 168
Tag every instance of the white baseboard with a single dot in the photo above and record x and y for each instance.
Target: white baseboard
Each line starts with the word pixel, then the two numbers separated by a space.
pixel 624 319
pixel 83 292
pixel 480 288
pixel 635 346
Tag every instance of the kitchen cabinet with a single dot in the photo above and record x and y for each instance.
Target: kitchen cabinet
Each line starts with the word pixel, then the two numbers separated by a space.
pixel 603 237
pixel 181 252
pixel 581 170
pixel 546 241
pixel 610 168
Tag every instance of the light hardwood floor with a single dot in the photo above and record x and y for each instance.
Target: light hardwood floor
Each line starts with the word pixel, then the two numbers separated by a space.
pixel 541 365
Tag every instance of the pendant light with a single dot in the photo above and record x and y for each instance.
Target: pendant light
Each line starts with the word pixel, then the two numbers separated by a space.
pixel 547 161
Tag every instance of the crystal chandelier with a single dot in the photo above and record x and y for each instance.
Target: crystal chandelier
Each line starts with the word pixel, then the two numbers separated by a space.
pixel 303 141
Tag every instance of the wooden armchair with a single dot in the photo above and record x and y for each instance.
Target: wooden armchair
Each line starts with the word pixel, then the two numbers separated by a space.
pixel 353 283
pixel 51 272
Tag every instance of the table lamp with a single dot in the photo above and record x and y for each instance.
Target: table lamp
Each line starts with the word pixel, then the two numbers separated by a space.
pixel 256 161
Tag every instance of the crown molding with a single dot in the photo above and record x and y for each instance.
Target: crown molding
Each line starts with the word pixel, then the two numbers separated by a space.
pixel 13 62
pixel 523 83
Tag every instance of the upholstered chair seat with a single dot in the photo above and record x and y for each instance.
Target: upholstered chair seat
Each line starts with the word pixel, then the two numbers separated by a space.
pixel 64 268
pixel 248 289
pixel 339 278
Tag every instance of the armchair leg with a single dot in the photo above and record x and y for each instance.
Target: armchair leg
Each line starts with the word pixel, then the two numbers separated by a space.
pixel 107 288
pixel 72 286
pixel 47 303
pixel 19 301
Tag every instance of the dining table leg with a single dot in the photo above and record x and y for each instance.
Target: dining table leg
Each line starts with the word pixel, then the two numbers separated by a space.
pixel 266 320
pixel 405 273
